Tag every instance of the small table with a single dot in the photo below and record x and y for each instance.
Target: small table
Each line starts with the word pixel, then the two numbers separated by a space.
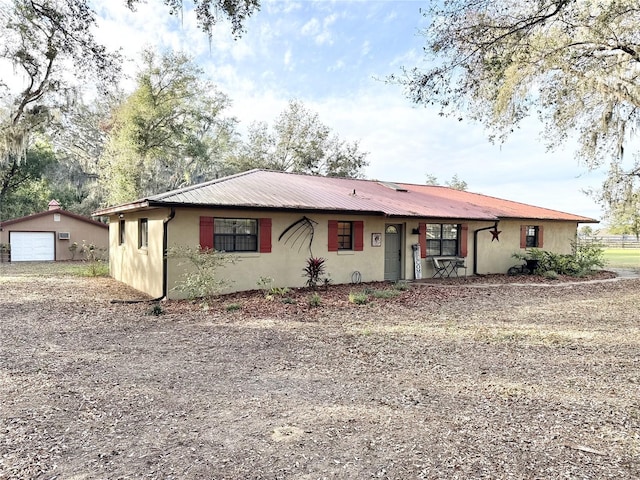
pixel 447 266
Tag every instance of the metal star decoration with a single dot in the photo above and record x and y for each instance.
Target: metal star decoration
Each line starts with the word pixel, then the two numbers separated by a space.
pixel 495 234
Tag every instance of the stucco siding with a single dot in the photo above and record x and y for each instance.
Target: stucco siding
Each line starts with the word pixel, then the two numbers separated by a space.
pixel 139 267
pixel 142 268
pixel 288 256
pixel 496 256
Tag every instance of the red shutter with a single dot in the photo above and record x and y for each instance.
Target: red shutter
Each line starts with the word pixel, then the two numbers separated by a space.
pixel 540 236
pixel 265 235
pixel 523 236
pixel 464 238
pixel 358 233
pixel 332 244
pixel 422 234
pixel 206 233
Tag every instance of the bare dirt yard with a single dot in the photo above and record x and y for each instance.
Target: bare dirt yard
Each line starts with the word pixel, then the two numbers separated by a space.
pixel 451 380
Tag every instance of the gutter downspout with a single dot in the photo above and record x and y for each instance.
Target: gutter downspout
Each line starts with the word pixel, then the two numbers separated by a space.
pixel 165 247
pixel 475 245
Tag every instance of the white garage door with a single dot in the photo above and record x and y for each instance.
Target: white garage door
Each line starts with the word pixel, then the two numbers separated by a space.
pixel 32 246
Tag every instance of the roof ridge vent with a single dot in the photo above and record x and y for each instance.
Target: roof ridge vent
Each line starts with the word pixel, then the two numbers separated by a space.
pixel 393 186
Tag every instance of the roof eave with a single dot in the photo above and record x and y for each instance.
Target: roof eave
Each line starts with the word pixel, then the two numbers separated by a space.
pixel 127 207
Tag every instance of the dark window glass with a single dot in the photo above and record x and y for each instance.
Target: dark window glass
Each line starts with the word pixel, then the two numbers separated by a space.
pixel 442 239
pixel 345 236
pixel 143 233
pixel 532 236
pixel 121 232
pixel 235 234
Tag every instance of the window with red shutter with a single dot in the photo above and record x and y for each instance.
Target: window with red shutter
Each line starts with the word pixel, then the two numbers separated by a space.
pixel 531 236
pixel 344 235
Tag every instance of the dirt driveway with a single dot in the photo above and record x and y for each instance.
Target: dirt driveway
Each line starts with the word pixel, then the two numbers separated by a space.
pixel 439 382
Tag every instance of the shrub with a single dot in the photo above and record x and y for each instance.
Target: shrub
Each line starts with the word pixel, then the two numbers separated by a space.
pixel 358 298
pixel 314 270
pixel 91 253
pixel 401 285
pixel 584 259
pixel 233 307
pixel 96 264
pixel 385 293
pixel 73 248
pixel 315 300
pixel 550 274
pixel 95 269
pixel 589 255
pixel 201 280
pixel 155 310
pixel 279 291
pixel 265 284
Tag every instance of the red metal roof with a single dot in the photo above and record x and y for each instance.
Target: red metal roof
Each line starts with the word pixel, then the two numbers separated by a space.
pixel 288 191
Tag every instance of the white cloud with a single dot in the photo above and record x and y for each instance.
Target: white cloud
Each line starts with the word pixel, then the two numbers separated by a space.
pixel 281 7
pixel 339 65
pixel 287 58
pixel 324 38
pixel 391 16
pixel 311 28
pixel 366 47
pixel 329 20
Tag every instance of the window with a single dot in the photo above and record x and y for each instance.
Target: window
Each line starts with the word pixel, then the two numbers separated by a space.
pixel 121 230
pixel 345 236
pixel 442 239
pixel 531 236
pixel 236 234
pixel 143 233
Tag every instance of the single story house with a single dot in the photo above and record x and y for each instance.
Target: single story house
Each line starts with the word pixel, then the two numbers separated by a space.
pixel 366 230
pixel 47 236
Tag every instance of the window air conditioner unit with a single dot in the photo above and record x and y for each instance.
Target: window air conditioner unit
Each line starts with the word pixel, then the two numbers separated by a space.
pixel 64 236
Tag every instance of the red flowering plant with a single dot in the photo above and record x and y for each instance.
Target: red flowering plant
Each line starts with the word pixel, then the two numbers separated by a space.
pixel 314 270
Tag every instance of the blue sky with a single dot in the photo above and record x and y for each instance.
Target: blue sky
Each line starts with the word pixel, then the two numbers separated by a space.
pixel 334 56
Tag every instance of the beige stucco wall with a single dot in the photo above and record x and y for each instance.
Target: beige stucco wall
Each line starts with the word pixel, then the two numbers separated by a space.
pixel 142 268
pixel 497 256
pixel 58 222
pixel 139 267
pixel 288 258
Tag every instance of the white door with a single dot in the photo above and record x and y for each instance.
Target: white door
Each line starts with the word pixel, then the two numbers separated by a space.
pixel 32 246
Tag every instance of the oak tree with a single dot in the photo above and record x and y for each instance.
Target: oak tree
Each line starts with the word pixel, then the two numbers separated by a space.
pixel 299 142
pixel 574 64
pixel 169 133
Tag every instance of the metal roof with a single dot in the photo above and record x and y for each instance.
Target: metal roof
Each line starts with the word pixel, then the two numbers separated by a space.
pixel 266 189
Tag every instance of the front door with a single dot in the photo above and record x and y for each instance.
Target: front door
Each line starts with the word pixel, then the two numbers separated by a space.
pixel 392 252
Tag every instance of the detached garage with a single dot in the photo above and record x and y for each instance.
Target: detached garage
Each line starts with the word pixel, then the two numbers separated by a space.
pixel 47 236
